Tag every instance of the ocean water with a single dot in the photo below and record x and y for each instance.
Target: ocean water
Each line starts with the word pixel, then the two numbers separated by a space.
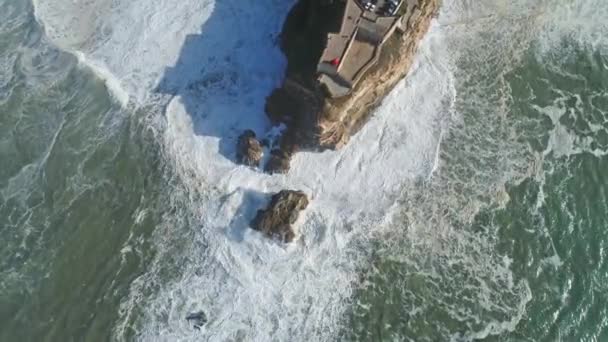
pixel 472 206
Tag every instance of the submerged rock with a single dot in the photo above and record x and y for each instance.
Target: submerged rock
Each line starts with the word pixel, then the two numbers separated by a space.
pixel 283 210
pixel 198 319
pixel 278 162
pixel 249 150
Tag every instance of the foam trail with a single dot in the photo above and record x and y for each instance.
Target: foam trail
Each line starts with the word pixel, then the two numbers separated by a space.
pixel 484 150
pixel 134 41
pixel 113 84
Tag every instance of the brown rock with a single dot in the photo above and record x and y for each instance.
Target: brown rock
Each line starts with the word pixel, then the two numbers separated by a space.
pixel 278 162
pixel 280 157
pixel 282 211
pixel 314 119
pixel 332 134
pixel 249 150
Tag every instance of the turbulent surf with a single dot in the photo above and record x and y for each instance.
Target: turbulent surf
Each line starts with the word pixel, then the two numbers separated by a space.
pixel 470 206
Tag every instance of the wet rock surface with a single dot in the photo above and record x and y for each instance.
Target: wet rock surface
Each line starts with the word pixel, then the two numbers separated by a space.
pixel 278 162
pixel 197 319
pixel 249 150
pixel 314 121
pixel 281 213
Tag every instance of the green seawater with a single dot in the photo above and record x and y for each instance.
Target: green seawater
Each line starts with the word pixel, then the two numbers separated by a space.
pixel 506 242
pixel 79 180
pixel 550 231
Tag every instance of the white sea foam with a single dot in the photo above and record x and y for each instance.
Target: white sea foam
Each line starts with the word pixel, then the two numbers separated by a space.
pixel 133 40
pixel 113 83
pixel 581 21
pixel 209 65
pixel 352 191
pixel 484 150
pixel 216 82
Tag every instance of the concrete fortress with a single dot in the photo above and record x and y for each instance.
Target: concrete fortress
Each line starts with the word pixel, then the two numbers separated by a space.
pixel 365 26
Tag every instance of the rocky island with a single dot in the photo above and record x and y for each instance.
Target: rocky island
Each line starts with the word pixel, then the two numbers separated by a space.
pixel 344 56
pixel 282 212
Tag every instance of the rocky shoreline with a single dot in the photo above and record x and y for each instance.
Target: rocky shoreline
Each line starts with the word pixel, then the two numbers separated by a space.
pixel 315 119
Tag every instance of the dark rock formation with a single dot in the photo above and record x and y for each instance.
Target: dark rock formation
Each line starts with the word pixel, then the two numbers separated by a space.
pixel 315 121
pixel 276 220
pixel 281 156
pixel 198 319
pixel 249 150
pixel 278 162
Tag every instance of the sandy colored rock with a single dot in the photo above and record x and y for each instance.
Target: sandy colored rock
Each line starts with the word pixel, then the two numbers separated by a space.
pixel 249 150
pixel 315 120
pixel 281 213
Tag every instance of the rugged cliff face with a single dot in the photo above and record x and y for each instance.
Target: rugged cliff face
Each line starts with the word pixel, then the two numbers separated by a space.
pixel 315 121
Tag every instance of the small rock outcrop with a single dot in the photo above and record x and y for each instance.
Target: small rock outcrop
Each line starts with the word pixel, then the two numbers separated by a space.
pixel 197 319
pixel 283 210
pixel 249 150
pixel 278 162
